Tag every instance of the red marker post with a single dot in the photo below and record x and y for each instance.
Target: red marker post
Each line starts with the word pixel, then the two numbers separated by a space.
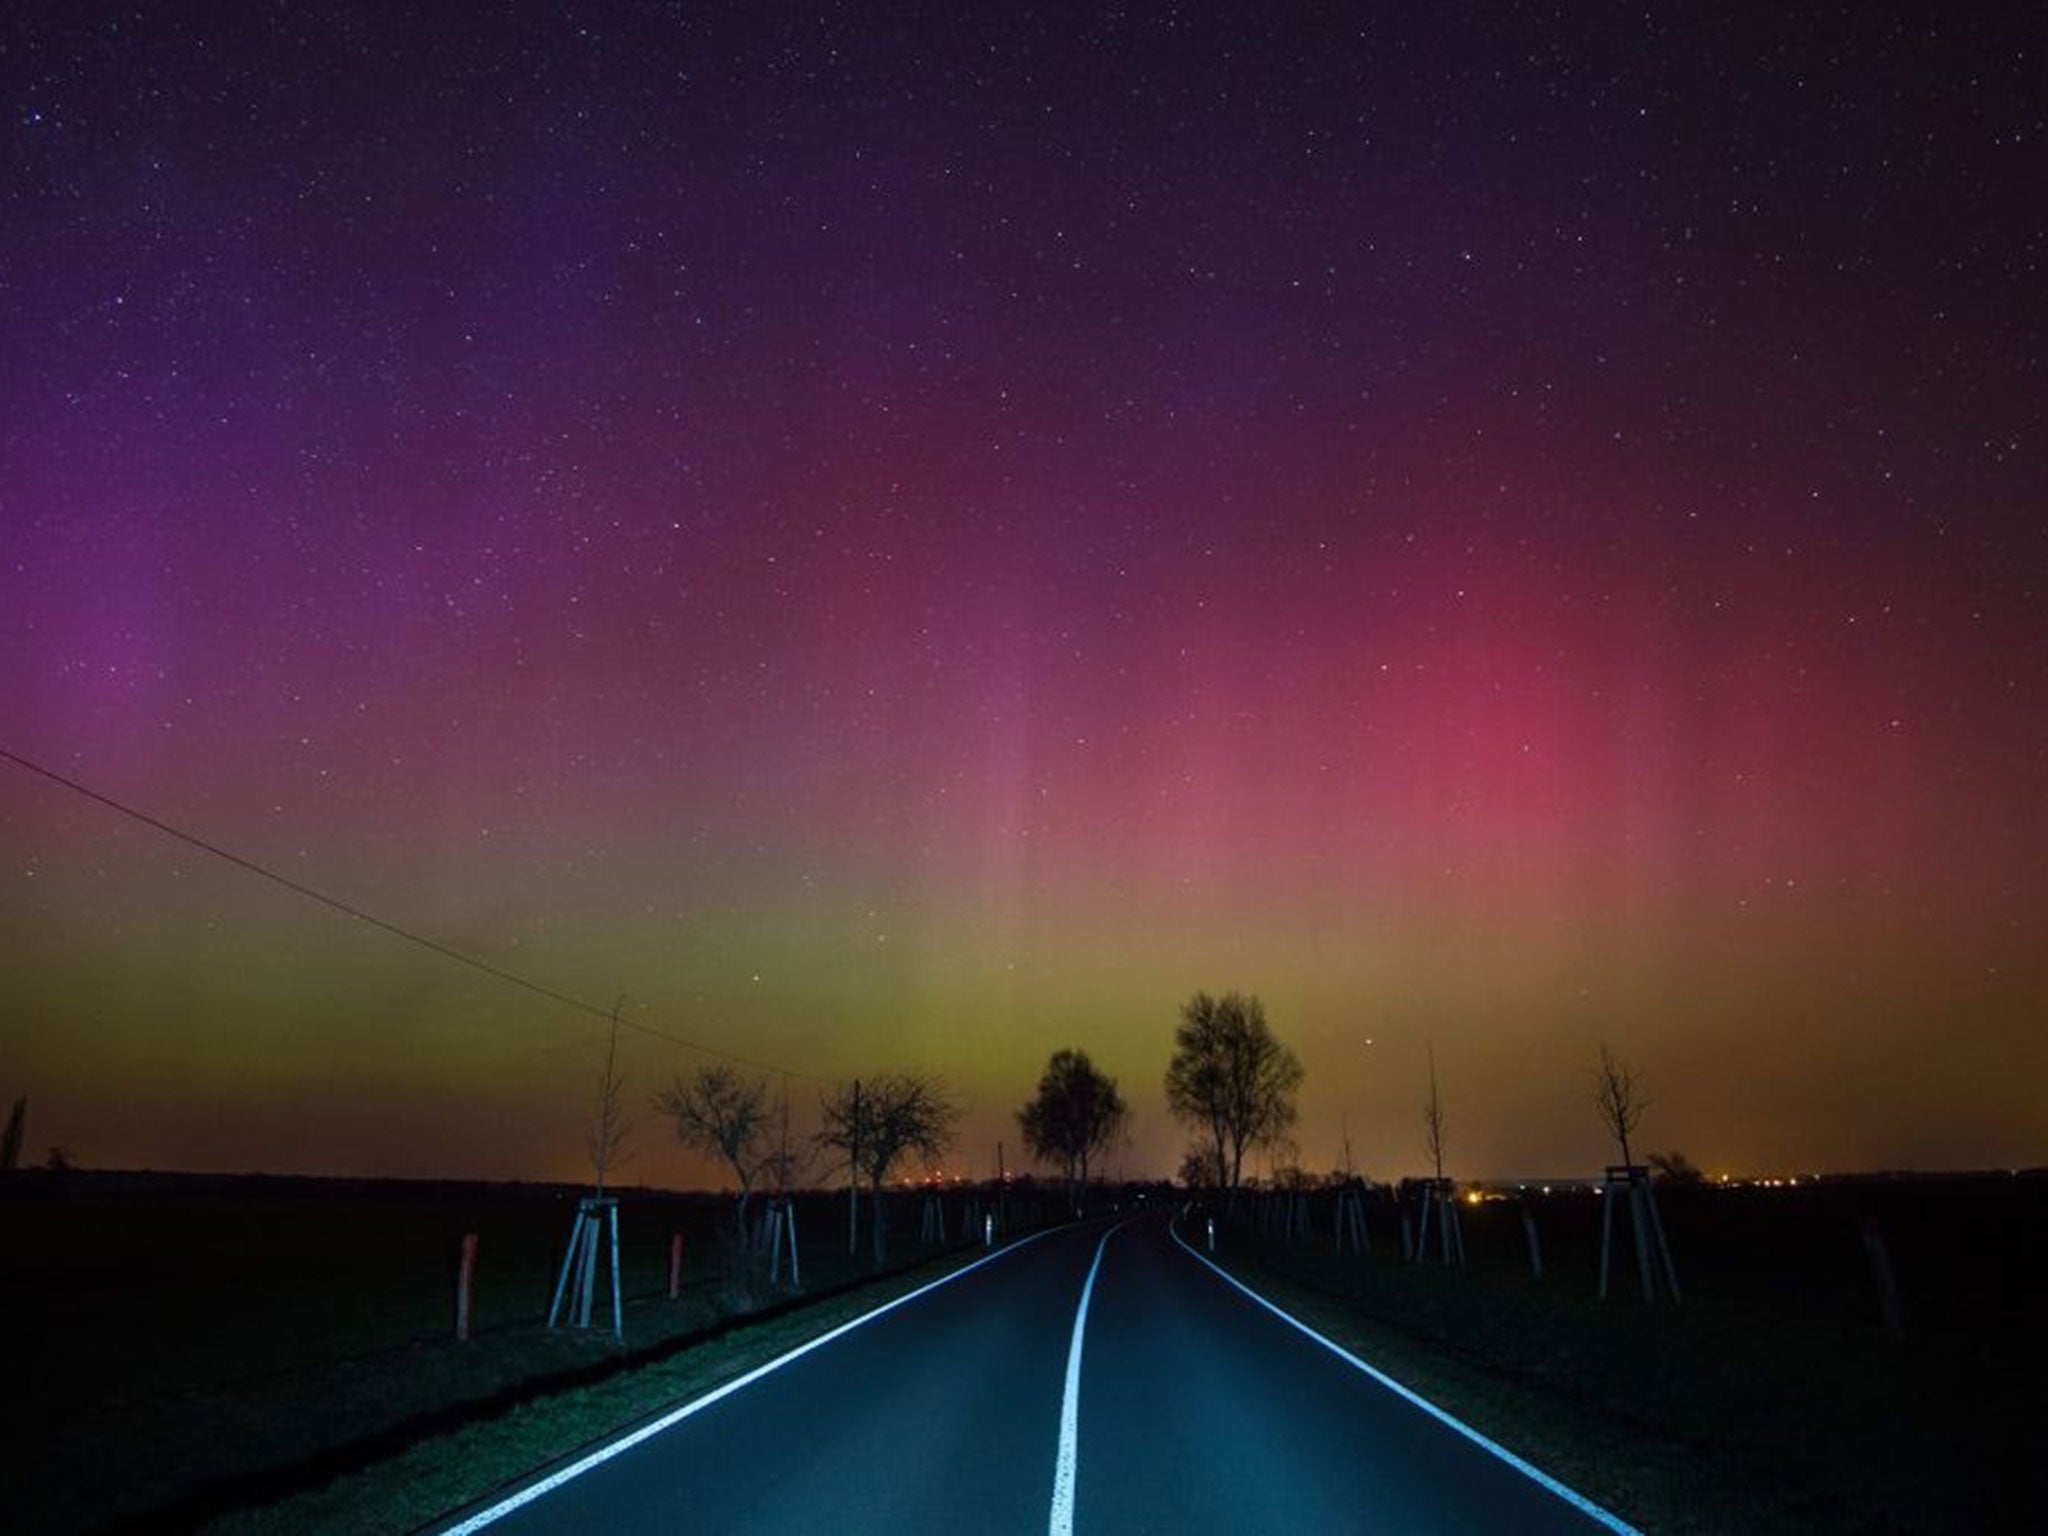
pixel 675 1265
pixel 464 1274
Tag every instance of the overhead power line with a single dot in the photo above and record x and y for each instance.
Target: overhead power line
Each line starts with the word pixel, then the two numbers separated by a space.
pixel 497 972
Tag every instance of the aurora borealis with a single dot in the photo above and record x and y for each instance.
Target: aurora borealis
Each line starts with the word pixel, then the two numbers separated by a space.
pixel 895 538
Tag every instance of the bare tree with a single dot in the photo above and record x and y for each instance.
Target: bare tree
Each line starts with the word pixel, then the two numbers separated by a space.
pixel 1199 1168
pixel 1231 1080
pixel 607 1132
pixel 10 1139
pixel 1282 1154
pixel 1433 1119
pixel 1618 1095
pixel 788 1160
pixel 873 1124
pixel 1075 1117
pixel 723 1113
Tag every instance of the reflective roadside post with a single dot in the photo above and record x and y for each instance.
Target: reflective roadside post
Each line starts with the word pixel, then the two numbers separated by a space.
pixel 1212 1234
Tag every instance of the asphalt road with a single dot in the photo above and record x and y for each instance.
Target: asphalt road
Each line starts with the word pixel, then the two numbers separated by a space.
pixel 1196 1410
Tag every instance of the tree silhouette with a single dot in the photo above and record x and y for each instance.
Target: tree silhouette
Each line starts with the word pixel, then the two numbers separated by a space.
pixel 1077 1115
pixel 10 1139
pixel 1433 1122
pixel 606 1132
pixel 720 1112
pixel 873 1123
pixel 1231 1080
pixel 1618 1095
pixel 1199 1168
pixel 786 1161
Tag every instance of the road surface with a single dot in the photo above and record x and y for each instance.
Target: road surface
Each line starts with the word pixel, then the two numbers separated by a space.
pixel 1181 1404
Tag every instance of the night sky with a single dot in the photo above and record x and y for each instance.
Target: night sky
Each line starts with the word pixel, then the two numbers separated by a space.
pixel 903 539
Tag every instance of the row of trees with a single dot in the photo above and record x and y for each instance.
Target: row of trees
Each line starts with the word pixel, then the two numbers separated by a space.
pixel 871 1125
pixel 1230 1081
pixel 1229 1078
pixel 1234 1085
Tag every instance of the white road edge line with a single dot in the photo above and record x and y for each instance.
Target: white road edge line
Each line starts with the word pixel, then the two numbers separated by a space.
pixel 648 1431
pixel 1063 1468
pixel 1571 1496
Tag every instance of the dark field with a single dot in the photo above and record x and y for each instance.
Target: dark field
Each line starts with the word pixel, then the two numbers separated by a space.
pixel 178 1347
pixel 1773 1399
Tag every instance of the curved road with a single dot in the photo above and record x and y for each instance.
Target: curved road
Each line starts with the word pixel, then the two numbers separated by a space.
pixel 1182 1404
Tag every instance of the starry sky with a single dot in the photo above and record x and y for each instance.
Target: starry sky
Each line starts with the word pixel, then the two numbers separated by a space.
pixel 912 537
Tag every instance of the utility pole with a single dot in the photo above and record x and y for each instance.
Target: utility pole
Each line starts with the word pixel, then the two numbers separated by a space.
pixel 608 1106
pixel 1002 1192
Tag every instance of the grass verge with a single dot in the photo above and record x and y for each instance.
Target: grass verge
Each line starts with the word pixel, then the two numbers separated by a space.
pixel 1711 1418
pixel 1628 1468
pixel 422 1484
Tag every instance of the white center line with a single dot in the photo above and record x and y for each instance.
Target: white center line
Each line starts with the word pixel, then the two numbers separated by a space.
pixel 1070 1408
